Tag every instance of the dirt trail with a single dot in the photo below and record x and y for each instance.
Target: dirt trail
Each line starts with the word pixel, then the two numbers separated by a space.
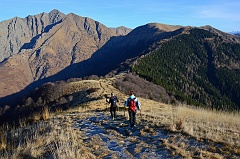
pixel 151 138
pixel 87 129
pixel 113 139
pixel 119 139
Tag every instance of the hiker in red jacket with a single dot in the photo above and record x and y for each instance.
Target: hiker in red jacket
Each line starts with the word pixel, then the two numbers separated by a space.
pixel 133 104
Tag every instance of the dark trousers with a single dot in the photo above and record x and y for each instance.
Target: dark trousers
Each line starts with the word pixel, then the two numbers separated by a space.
pixel 132 118
pixel 113 111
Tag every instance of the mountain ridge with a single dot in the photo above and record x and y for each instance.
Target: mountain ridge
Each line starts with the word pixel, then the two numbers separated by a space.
pixel 74 47
pixel 49 45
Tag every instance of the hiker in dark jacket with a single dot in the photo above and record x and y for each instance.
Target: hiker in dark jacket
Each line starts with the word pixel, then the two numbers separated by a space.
pixel 113 101
pixel 133 104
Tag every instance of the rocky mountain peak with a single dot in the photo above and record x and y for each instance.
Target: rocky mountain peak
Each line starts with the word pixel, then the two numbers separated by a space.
pixel 121 30
pixel 17 32
pixel 55 12
pixel 49 42
pixel 56 15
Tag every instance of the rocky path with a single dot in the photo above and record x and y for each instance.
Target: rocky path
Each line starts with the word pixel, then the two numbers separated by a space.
pixel 119 140
pixel 113 139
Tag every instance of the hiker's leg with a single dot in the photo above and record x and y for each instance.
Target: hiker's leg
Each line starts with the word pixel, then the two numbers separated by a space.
pixel 134 118
pixel 114 112
pixel 111 111
pixel 130 117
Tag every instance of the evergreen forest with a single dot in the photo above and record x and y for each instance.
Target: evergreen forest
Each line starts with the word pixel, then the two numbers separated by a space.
pixel 197 68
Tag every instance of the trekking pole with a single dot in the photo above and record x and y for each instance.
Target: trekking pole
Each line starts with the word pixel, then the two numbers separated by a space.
pixel 118 108
pixel 106 101
pixel 124 110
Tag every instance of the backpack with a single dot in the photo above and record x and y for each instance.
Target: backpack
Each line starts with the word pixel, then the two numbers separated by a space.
pixel 132 105
pixel 113 101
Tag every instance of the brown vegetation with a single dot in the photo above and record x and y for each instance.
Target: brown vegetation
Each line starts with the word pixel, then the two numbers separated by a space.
pixel 52 136
pixel 143 88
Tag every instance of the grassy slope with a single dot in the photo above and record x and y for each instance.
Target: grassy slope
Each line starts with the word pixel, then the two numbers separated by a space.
pixel 53 135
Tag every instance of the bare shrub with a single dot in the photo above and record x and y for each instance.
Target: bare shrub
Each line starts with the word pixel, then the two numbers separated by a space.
pixel 91 90
pixel 48 92
pixel 45 113
pixel 40 102
pixel 3 137
pixel 142 88
pixel 74 80
pixel 92 77
pixel 180 124
pixel 4 109
pixel 34 117
pixel 29 102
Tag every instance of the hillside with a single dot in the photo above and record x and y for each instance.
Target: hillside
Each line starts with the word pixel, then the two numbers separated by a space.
pixel 81 127
pixel 49 61
pixel 32 32
pixel 198 67
pixel 44 44
pixel 64 95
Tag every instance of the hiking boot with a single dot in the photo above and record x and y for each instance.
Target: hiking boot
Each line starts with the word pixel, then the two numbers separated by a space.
pixel 113 118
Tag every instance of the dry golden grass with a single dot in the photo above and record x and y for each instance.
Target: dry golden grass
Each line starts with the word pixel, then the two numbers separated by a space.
pixel 41 115
pixel 45 113
pixel 56 137
pixel 200 123
pixel 217 126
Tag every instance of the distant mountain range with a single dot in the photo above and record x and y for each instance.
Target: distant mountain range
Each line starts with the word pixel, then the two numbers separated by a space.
pixel 235 33
pixel 54 46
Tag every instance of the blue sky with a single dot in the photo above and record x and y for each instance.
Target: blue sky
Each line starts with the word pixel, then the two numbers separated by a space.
pixel 221 14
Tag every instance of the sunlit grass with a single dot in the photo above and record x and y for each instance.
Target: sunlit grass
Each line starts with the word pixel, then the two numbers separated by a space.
pixel 218 126
pixel 53 135
pixel 55 138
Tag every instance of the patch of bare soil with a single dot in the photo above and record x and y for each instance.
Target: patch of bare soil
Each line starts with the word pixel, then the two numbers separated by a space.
pixel 107 138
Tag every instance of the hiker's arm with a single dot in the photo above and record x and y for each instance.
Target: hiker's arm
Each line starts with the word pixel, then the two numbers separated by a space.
pixel 107 100
pixel 138 105
pixel 126 103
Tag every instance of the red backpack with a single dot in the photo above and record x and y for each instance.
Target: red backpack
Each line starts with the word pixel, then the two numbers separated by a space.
pixel 132 105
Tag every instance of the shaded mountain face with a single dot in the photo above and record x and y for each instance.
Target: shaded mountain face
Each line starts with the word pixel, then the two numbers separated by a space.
pixel 117 50
pixel 40 46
